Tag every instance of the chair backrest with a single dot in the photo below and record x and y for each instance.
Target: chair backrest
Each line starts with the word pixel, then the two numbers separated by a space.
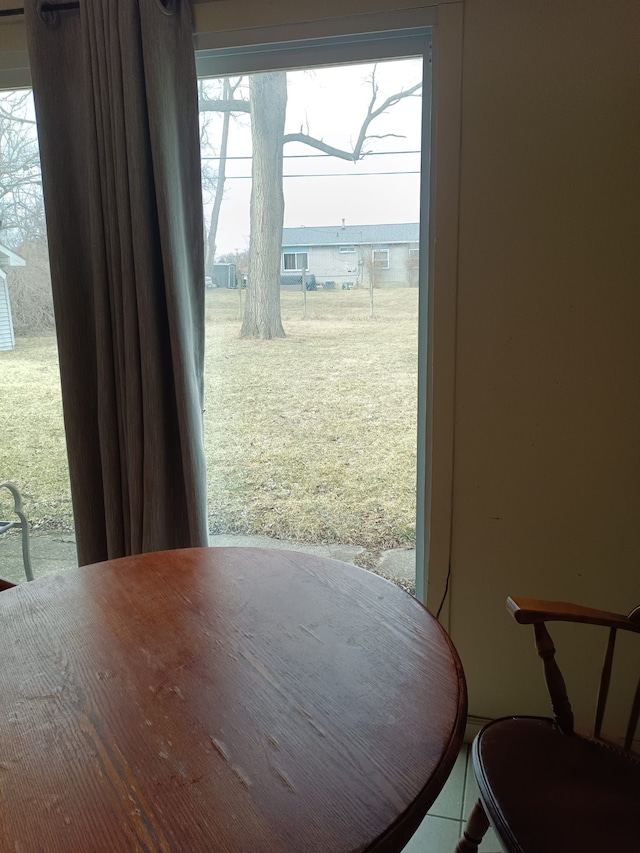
pixel 528 611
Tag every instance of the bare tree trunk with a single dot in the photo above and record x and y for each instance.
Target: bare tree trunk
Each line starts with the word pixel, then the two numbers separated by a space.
pixel 262 304
pixel 210 249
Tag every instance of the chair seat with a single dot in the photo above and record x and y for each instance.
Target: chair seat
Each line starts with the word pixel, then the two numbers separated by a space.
pixel 556 793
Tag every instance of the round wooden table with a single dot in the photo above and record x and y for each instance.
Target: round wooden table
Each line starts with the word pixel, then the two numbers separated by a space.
pixel 222 699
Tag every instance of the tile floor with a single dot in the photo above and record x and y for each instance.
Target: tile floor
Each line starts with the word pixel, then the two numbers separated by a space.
pixel 440 831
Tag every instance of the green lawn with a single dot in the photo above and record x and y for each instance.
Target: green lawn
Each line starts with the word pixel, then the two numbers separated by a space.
pixel 309 438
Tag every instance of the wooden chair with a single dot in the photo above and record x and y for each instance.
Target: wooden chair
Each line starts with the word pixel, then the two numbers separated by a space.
pixel 544 788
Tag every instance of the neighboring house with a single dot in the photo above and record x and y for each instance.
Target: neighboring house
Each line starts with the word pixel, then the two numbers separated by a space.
pixel 354 254
pixel 7 259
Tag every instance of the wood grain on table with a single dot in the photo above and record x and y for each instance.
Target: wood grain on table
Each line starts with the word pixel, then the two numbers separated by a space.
pixel 221 699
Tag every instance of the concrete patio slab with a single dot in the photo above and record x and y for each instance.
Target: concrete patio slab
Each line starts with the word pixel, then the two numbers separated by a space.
pixel 54 551
pixel 398 563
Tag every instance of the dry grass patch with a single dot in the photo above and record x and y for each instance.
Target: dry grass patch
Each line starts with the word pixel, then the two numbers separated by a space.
pixel 310 438
pixel 32 449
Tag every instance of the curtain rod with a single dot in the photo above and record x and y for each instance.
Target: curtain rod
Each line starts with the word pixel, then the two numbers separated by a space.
pixel 46 7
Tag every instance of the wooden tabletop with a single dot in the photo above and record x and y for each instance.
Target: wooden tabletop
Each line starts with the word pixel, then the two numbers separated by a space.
pixel 221 699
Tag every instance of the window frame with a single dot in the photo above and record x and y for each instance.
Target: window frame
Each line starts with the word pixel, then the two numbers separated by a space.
pixel 297 267
pixel 437 269
pixel 385 264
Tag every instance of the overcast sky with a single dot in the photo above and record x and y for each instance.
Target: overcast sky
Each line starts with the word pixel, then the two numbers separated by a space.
pixel 330 104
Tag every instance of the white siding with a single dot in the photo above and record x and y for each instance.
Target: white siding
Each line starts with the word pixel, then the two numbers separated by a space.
pixel 7 340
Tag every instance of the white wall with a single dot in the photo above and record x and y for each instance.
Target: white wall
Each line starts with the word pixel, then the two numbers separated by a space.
pixel 547 423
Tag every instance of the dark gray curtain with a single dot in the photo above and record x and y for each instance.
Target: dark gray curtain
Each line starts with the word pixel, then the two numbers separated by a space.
pixel 116 104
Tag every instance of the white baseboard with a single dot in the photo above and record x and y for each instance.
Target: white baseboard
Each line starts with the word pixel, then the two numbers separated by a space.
pixel 474 724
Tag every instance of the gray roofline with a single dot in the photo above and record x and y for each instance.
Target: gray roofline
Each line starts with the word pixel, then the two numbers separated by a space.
pixel 392 233
pixel 9 258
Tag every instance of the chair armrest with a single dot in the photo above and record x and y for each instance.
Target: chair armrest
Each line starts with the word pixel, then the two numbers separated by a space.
pixel 529 611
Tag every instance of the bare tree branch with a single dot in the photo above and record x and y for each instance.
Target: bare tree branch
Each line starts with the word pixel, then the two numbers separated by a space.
pixel 14 118
pixel 321 146
pixel 21 206
pixel 373 111
pixel 231 105
pixel 222 105
pixel 210 247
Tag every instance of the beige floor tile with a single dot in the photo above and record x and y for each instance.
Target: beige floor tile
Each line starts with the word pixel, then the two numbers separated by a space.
pixel 490 843
pixel 435 835
pixel 470 792
pixel 450 799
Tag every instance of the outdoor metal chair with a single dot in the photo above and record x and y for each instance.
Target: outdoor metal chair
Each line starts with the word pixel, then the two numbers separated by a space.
pixel 23 525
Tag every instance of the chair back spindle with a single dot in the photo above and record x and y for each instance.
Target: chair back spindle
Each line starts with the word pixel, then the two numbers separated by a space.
pixel 555 682
pixel 534 612
pixel 634 619
pixel 633 720
pixel 605 680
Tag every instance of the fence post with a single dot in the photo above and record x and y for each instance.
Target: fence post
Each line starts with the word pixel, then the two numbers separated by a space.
pixel 371 286
pixel 304 294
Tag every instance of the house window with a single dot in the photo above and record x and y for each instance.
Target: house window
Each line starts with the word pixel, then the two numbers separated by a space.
pixel 295 261
pixel 414 258
pixel 381 259
pixel 347 250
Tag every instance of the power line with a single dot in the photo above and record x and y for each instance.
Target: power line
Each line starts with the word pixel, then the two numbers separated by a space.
pixel 331 175
pixel 312 156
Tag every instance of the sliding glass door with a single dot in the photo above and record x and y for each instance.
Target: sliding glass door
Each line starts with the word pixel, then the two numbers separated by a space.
pixel 312 201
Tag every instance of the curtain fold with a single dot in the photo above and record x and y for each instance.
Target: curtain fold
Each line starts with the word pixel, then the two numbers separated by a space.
pixel 116 104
